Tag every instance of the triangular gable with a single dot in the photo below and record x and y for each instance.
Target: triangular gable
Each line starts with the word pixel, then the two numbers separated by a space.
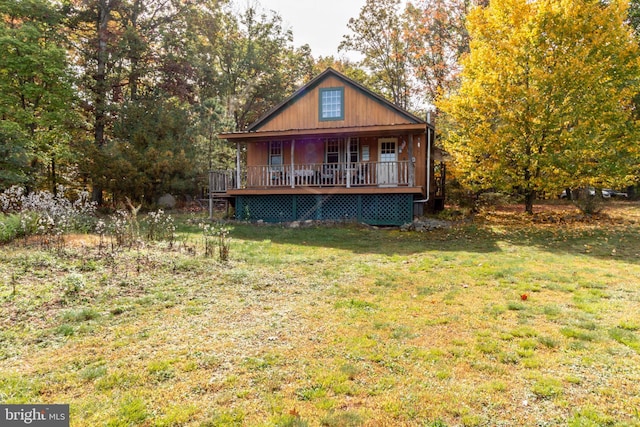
pixel 361 108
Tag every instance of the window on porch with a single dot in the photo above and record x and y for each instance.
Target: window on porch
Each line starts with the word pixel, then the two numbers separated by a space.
pixel 337 150
pixel 333 150
pixel 275 155
pixel 354 151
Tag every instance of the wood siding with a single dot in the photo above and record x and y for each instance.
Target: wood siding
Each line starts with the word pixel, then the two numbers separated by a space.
pixel 360 110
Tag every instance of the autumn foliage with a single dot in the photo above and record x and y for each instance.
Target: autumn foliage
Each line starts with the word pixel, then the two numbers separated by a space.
pixel 545 101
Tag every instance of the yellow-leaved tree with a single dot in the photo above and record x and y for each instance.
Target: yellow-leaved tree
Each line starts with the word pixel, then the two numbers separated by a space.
pixel 545 100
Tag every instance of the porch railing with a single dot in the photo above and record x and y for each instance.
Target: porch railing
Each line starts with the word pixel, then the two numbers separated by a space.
pixel 221 181
pixel 359 174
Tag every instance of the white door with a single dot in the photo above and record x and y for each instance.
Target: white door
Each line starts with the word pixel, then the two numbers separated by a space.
pixel 388 162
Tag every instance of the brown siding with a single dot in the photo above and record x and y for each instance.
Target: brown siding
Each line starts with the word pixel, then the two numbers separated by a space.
pixel 360 110
pixel 420 153
pixel 258 153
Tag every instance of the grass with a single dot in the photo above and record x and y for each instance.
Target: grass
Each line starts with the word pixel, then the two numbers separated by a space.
pixel 343 326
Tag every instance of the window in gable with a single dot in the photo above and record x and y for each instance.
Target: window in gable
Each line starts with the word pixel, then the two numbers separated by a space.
pixel 332 103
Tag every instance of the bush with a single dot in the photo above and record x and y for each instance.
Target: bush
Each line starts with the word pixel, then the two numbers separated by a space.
pixel 44 214
pixel 216 235
pixel 10 227
pixel 587 201
pixel 491 200
pixel 160 226
pixel 123 229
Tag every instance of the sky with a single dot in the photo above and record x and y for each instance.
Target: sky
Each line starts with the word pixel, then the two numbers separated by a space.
pixel 318 23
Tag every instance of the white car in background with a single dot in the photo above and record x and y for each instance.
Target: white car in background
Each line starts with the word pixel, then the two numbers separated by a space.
pixel 613 193
pixel 607 193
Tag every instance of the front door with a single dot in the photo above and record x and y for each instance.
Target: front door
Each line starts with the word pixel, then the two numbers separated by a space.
pixel 388 162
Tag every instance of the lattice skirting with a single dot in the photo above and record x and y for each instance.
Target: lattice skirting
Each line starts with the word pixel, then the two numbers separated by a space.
pixel 374 209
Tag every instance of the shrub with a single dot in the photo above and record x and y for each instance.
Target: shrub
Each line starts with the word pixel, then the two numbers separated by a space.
pixel 160 226
pixel 547 388
pixel 587 201
pixel 10 227
pixel 82 315
pixel 491 200
pixel 123 229
pixel 73 284
pixel 47 215
pixel 216 236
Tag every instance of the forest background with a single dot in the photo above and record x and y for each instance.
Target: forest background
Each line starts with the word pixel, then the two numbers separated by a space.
pixel 125 98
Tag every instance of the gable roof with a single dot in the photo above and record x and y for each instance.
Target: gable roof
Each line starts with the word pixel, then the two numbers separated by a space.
pixel 319 79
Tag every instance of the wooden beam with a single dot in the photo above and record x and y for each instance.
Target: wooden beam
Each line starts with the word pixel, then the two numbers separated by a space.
pixel 292 174
pixel 238 165
pixel 348 162
pixel 412 162
pixel 338 132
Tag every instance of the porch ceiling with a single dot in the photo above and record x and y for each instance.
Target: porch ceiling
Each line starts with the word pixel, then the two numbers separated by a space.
pixel 386 130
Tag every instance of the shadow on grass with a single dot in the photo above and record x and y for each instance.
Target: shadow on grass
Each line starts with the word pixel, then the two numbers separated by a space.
pixel 361 239
pixel 622 244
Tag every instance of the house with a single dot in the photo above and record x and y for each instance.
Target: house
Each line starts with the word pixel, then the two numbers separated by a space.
pixel 334 150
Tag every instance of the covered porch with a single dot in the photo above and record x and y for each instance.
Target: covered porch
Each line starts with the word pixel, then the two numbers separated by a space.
pixel 377 157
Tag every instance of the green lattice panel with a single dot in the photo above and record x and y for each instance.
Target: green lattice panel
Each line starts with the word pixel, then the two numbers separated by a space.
pixel 340 207
pixel 387 209
pixel 326 207
pixel 375 209
pixel 308 207
pixel 275 208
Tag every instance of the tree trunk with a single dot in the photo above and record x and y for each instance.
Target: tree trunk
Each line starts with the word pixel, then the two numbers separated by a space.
pixel 529 198
pixel 102 21
pixel 569 193
pixel 100 89
pixel 54 187
pixel 134 52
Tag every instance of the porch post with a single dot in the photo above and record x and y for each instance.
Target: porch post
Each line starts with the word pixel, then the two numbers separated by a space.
pixel 291 174
pixel 348 163
pixel 412 164
pixel 429 141
pixel 210 195
pixel 238 165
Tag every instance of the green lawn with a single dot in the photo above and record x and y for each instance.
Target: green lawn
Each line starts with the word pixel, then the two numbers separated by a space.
pixel 500 321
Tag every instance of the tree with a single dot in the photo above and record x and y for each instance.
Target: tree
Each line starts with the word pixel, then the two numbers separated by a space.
pixel 14 160
pixel 634 16
pixel 436 38
pixel 93 39
pixel 343 66
pixel 211 120
pixel 545 101
pixel 36 100
pixel 248 61
pixel 377 35
pixel 132 56
pixel 152 151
